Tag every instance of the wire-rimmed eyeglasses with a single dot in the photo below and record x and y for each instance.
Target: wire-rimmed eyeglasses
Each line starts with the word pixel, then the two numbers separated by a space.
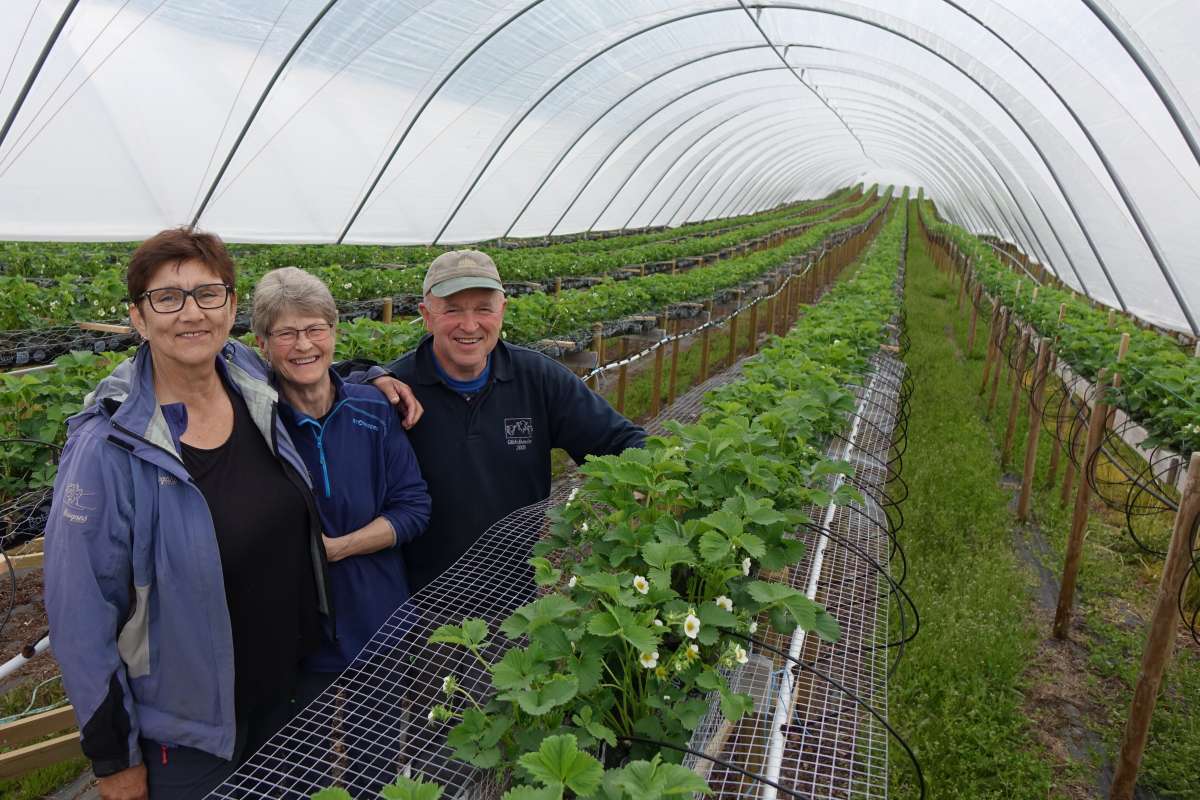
pixel 318 332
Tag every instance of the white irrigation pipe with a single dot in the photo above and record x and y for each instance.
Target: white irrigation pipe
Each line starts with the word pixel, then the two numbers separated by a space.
pixel 19 660
pixel 787 688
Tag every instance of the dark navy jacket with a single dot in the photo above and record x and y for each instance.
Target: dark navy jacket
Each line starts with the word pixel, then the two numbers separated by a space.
pixel 362 467
pixel 490 456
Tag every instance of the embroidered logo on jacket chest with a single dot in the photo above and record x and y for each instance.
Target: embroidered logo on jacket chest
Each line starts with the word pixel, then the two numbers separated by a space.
pixel 518 432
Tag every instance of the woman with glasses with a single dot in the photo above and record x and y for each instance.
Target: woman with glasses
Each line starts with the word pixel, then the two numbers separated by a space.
pixel 184 563
pixel 367 484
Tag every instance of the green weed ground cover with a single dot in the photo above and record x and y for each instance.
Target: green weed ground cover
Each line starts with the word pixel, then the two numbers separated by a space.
pixel 961 692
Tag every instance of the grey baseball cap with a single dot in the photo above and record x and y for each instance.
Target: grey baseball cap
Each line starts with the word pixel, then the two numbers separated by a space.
pixel 461 269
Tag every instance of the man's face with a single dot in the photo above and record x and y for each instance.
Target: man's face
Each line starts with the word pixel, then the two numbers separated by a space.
pixel 465 328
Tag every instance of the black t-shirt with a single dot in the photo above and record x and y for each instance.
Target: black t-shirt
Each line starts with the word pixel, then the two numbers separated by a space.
pixel 262 527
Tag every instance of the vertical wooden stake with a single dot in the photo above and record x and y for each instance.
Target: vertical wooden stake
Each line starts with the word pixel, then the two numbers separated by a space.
pixel 753 347
pixel 704 342
pixel 622 377
pixel 674 382
pixel 1122 349
pixel 1014 404
pixel 1035 429
pixel 998 367
pixel 962 289
pixel 598 348
pixel 557 285
pixel 1056 451
pixel 974 320
pixel 656 385
pixel 386 315
pixel 1161 640
pixel 733 329
pixel 993 326
pixel 1066 595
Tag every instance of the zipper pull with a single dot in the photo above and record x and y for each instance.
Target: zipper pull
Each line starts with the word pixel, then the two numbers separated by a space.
pixel 164 754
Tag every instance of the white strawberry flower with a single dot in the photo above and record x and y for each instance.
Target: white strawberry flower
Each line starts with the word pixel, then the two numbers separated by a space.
pixel 724 602
pixel 574 493
pixel 574 580
pixel 649 660
pixel 658 623
pixel 753 626
pixel 746 565
pixel 641 584
pixel 691 626
pixel 739 654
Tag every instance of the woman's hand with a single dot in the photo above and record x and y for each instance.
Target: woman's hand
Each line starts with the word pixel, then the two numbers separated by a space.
pixel 376 535
pixel 128 784
pixel 398 394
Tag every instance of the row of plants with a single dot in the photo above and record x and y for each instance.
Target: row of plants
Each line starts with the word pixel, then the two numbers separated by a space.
pixel 653 573
pixel 1160 381
pixel 54 259
pixel 30 304
pixel 35 405
pixel 533 317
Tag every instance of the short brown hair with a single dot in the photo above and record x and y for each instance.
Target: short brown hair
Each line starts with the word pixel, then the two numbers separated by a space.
pixel 176 245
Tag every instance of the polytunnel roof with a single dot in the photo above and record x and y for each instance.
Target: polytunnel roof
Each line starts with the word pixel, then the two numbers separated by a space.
pixel 1067 127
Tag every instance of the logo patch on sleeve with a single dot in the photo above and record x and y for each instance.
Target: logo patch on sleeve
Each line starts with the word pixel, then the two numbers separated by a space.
pixel 518 431
pixel 75 502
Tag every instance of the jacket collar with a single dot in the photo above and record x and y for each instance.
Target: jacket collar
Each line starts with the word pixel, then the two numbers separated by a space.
pixel 426 372
pixel 294 416
pixel 128 394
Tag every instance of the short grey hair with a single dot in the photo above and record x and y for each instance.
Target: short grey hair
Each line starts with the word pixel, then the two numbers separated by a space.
pixel 289 289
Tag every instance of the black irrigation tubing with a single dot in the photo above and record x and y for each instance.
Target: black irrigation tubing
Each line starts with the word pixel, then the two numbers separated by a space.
pixel 897 590
pixel 12 600
pixel 804 665
pixel 719 762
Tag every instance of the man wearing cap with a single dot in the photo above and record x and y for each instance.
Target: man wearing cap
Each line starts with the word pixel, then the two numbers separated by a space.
pixel 493 411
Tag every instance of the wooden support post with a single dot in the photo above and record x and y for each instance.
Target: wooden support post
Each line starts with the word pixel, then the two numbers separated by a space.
pixel 753 348
pixel 674 380
pixel 1035 429
pixel 622 377
pixel 1161 641
pixel 558 285
pixel 386 315
pixel 1122 350
pixel 656 387
pixel 1066 595
pixel 598 349
pixel 977 294
pixel 998 365
pixel 993 327
pixel 705 343
pixel 733 330
pixel 1056 451
pixel 962 289
pixel 1014 404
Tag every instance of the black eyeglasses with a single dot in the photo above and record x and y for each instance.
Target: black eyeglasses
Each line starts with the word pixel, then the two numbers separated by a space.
pixel 170 299
pixel 314 333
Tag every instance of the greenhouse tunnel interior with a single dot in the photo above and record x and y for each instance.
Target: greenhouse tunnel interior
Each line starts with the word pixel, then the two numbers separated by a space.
pixel 1064 134
pixel 1064 128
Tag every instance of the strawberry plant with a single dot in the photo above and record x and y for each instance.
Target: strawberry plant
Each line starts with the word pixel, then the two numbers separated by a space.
pixel 1160 386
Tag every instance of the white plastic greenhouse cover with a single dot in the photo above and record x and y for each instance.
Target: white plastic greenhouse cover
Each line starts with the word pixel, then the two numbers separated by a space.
pixel 1067 126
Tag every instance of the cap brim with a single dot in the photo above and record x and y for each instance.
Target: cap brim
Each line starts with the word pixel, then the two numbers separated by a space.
pixel 447 288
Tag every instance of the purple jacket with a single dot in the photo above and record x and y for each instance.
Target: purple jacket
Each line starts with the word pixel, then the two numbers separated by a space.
pixel 133 581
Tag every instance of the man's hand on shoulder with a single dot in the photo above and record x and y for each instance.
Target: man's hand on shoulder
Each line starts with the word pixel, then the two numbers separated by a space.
pixel 400 395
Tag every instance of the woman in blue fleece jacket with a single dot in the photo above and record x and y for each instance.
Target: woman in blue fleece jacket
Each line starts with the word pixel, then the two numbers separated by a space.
pixel 369 491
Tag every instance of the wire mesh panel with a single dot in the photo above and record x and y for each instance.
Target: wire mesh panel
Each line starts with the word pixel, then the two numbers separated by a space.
pixel 373 723
pixel 810 732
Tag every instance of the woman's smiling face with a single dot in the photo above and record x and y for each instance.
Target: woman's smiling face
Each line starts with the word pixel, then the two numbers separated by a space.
pixel 191 336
